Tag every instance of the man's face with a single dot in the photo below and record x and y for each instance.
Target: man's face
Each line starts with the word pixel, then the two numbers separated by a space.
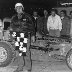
pixel 35 14
pixel 45 12
pixel 62 14
pixel 53 13
pixel 19 9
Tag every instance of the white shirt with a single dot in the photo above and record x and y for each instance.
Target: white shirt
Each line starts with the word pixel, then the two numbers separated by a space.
pixel 62 18
pixel 35 17
pixel 54 22
pixel 1 26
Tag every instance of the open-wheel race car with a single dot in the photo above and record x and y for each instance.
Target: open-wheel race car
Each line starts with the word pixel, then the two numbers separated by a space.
pixel 59 48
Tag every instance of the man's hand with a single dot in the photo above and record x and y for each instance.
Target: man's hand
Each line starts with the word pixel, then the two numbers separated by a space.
pixel 10 29
pixel 59 29
pixel 33 38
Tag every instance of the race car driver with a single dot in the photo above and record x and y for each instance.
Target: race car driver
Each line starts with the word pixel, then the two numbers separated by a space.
pixel 22 23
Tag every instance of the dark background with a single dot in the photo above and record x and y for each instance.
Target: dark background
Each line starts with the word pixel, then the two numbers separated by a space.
pixel 7 6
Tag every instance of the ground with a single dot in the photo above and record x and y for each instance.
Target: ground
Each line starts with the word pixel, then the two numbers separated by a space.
pixel 41 62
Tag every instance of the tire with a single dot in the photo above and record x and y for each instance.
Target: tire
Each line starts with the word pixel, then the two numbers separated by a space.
pixel 7 51
pixel 69 54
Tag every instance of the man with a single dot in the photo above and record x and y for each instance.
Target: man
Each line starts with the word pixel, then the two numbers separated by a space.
pixel 21 25
pixel 35 19
pixel 45 18
pixel 45 13
pixel 65 23
pixel 54 24
pixel 42 24
pixel 35 15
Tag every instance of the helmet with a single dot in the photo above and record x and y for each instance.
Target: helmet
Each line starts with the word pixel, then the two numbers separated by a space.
pixel 18 4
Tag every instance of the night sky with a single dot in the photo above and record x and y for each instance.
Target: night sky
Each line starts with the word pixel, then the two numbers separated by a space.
pixel 7 6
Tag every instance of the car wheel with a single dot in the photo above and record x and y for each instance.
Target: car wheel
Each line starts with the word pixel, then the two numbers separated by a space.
pixel 6 54
pixel 69 59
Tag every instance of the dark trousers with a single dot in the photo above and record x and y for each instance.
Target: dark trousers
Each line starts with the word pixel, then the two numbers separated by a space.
pixel 27 59
pixel 55 33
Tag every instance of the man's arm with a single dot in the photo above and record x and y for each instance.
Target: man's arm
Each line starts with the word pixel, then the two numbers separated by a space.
pixel 48 23
pixel 60 23
pixel 31 27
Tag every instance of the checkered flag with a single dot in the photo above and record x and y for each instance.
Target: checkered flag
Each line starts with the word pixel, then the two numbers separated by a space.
pixel 21 40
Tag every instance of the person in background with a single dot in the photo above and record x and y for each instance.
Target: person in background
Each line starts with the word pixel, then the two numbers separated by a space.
pixel 71 24
pixel 44 19
pixel 35 18
pixel 65 24
pixel 1 29
pixel 45 13
pixel 35 15
pixel 54 24
pixel 42 23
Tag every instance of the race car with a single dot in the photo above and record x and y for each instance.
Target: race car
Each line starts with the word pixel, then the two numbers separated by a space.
pixel 59 48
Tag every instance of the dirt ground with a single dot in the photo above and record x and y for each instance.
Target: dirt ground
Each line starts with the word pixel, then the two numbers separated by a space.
pixel 41 62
